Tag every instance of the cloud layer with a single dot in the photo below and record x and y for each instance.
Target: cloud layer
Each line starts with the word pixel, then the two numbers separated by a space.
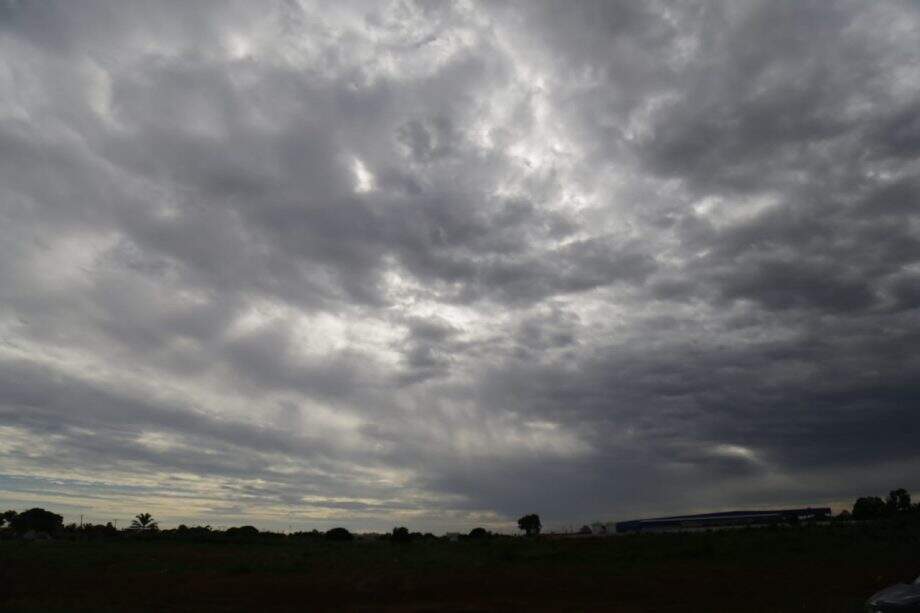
pixel 443 264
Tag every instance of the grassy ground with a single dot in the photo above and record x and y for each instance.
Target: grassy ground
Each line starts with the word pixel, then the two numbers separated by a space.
pixel 831 568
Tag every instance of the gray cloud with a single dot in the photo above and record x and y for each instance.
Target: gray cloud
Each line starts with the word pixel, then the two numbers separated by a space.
pixel 364 263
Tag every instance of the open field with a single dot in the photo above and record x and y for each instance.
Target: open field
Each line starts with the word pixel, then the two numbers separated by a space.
pixel 816 568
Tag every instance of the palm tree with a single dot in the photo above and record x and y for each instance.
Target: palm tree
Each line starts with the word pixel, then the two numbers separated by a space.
pixel 143 521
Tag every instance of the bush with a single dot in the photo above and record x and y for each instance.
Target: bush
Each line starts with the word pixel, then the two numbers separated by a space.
pixel 479 533
pixel 242 532
pixel 339 534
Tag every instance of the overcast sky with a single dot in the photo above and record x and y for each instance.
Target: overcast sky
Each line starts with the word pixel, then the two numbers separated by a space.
pixel 440 265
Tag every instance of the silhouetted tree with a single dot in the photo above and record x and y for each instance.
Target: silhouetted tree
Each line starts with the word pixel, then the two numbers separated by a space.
pixel 585 530
pixel 530 524
pixel 869 507
pixel 339 534
pixel 242 532
pixel 898 501
pixel 100 530
pixel 145 522
pixel 479 533
pixel 37 519
pixel 401 535
pixel 89 531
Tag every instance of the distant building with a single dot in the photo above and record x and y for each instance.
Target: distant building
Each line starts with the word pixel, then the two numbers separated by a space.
pixel 725 519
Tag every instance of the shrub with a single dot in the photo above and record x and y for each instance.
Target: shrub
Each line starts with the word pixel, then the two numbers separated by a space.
pixel 339 534
pixel 242 532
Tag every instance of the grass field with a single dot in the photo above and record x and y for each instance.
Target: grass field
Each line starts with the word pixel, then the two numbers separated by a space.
pixel 811 568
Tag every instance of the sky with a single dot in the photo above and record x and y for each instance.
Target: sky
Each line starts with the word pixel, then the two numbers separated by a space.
pixel 301 265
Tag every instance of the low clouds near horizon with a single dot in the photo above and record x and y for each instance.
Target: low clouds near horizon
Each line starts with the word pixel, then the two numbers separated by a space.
pixel 443 264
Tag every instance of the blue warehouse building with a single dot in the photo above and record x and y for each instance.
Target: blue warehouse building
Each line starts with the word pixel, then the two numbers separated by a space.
pixel 724 520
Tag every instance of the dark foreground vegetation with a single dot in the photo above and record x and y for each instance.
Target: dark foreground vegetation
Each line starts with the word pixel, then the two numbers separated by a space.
pixel 829 567
pixel 806 568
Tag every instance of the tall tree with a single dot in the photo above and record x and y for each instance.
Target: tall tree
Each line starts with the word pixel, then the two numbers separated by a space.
pixel 898 501
pixel 530 524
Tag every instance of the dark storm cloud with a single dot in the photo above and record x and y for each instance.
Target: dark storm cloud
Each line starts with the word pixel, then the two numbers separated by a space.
pixel 586 259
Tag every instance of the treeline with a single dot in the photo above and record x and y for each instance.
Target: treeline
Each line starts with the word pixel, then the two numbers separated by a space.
pixel 897 504
pixel 37 524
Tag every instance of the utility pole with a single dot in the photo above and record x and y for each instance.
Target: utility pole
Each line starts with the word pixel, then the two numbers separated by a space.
pixel 81 520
